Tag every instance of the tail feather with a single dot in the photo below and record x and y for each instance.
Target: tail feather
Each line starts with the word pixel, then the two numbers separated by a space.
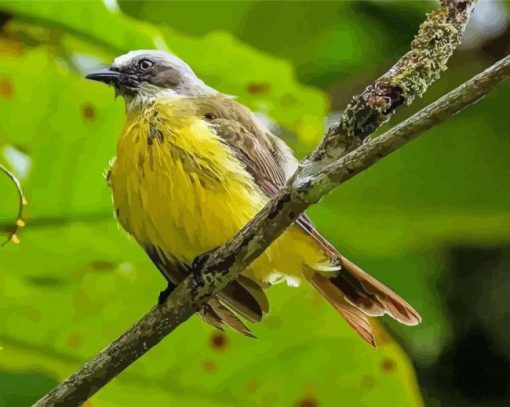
pixel 354 316
pixel 216 314
pixel 242 297
pixel 376 296
pixel 256 291
pixel 210 316
pixel 355 287
pixel 246 298
pixel 356 295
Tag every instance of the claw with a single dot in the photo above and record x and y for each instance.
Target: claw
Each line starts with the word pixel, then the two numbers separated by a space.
pixel 196 269
pixel 163 295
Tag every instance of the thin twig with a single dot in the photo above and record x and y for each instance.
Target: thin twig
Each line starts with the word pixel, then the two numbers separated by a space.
pixel 409 78
pixel 442 109
pixel 19 223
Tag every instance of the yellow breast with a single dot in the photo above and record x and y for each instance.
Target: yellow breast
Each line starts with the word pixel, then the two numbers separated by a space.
pixel 177 186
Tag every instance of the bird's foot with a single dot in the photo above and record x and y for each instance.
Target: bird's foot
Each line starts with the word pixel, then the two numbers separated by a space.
pixel 196 270
pixel 163 295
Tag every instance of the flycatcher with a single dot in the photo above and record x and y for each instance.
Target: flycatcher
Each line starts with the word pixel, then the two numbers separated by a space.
pixel 193 166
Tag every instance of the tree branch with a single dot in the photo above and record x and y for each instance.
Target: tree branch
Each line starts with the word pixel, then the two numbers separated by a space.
pixel 409 78
pixel 331 164
pixel 470 92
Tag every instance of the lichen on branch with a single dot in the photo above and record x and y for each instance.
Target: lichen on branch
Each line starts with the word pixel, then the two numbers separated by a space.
pixel 438 37
pixel 434 44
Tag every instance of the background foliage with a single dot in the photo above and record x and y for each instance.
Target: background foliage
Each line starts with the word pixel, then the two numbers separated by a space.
pixel 432 220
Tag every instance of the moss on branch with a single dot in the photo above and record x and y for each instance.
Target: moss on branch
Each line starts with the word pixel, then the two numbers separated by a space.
pixel 433 45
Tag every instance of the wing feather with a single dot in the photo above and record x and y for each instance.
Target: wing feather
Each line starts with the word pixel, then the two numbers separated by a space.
pixel 270 163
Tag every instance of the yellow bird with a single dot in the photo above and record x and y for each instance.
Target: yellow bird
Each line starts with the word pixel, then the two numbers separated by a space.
pixel 193 166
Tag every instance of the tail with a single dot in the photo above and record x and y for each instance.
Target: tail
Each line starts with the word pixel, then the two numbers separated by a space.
pixel 357 295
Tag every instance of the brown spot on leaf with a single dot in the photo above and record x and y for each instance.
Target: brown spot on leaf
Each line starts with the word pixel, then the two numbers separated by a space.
pixel 219 341
pixel 388 365
pixel 367 382
pixel 307 402
pixel 258 88
pixel 252 385
pixel 209 366
pixel 74 340
pixel 6 88
pixel 88 111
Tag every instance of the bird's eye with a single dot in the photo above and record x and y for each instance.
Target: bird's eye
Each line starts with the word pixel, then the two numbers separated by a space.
pixel 145 65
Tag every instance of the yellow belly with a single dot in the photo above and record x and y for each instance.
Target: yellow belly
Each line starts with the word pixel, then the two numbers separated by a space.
pixel 176 186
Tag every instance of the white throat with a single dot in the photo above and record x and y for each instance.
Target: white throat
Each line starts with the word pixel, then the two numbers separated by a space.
pixel 147 94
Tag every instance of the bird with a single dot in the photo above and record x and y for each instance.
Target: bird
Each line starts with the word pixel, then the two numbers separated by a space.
pixel 192 167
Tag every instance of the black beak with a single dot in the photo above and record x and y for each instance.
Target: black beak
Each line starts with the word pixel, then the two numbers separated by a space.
pixel 107 75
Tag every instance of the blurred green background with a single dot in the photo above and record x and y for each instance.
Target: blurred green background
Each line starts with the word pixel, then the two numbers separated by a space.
pixel 432 220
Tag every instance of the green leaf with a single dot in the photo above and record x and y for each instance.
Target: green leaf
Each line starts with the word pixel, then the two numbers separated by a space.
pixel 69 136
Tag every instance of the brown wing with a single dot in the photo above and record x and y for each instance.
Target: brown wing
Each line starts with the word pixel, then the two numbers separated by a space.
pixel 270 163
pixel 266 157
pixel 353 315
pixel 255 146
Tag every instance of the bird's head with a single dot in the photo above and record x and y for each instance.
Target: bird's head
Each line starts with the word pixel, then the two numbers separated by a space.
pixel 145 74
